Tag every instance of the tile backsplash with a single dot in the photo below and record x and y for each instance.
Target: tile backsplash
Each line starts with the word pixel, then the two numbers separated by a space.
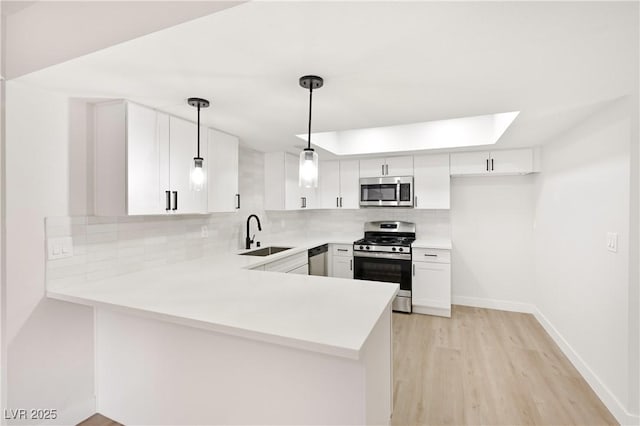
pixel 110 246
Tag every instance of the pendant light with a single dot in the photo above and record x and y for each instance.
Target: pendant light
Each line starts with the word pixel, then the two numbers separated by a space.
pixel 308 173
pixel 197 176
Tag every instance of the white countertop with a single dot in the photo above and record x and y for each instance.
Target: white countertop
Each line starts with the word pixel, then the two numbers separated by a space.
pixel 320 314
pixel 220 293
pixel 433 243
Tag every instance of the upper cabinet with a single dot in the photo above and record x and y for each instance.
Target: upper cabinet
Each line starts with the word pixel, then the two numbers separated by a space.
pixel 390 166
pixel 143 160
pixel 338 184
pixel 281 189
pixel 222 170
pixel 507 162
pixel 431 181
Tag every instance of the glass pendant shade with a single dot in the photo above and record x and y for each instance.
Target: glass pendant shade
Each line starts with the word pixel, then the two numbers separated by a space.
pixel 308 173
pixel 197 176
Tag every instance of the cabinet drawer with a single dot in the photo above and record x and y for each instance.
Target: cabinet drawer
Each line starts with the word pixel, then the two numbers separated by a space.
pixel 288 263
pixel 431 255
pixel 342 249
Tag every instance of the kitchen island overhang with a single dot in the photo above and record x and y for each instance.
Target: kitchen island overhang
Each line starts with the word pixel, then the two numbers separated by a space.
pixel 208 342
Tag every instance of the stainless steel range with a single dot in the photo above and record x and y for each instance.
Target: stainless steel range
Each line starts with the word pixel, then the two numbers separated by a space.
pixel 384 254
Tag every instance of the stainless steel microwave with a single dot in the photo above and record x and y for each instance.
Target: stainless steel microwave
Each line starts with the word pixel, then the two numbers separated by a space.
pixel 386 191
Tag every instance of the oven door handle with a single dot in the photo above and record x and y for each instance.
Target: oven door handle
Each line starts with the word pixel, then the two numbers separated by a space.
pixel 378 255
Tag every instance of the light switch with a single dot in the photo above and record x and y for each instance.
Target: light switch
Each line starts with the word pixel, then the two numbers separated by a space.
pixel 58 248
pixel 612 241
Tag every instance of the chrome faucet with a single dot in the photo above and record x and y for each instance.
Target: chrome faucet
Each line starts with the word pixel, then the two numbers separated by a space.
pixel 249 240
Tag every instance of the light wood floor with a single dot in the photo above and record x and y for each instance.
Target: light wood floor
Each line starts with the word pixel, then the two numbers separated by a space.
pixel 481 367
pixel 486 367
pixel 98 420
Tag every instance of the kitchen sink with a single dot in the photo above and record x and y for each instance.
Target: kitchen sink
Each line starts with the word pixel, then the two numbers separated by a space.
pixel 265 251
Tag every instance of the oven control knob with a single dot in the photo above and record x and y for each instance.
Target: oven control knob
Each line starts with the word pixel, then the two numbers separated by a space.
pixel 401 249
pixel 361 247
pixel 368 248
pixel 393 249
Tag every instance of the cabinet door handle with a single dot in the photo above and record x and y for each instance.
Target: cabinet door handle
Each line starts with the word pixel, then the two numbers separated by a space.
pixel 337 202
pixel 492 164
pixel 237 201
pixel 167 195
pixel 382 169
pixel 351 265
pixel 340 201
pixel 386 167
pixel 175 200
pixel 487 164
pixel 431 255
pixel 343 249
pixel 414 269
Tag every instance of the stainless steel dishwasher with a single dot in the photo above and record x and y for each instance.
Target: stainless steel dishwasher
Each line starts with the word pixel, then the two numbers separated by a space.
pixel 318 260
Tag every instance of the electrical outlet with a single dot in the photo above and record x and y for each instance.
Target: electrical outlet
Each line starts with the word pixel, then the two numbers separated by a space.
pixel 612 241
pixel 204 231
pixel 59 248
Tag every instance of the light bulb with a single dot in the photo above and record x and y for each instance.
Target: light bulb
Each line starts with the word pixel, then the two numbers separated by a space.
pixel 308 172
pixel 198 176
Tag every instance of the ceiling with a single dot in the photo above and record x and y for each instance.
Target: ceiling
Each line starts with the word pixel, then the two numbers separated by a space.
pixel 384 64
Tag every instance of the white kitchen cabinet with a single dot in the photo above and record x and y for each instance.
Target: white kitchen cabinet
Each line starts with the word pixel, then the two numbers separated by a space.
pixel 512 161
pixel 281 189
pixel 222 172
pixel 399 166
pixel 342 267
pixel 328 194
pixel 341 261
pixel 389 166
pixel 143 161
pixel 431 285
pixel 506 162
pixel 300 270
pixel 431 181
pixel 338 183
pixel 289 264
pixel 349 184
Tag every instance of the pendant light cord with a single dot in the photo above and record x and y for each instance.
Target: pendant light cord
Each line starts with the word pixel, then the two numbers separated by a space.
pixel 310 99
pixel 198 130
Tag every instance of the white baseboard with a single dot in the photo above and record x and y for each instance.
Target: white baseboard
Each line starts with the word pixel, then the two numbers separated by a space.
pixel 501 305
pixel 441 312
pixel 605 395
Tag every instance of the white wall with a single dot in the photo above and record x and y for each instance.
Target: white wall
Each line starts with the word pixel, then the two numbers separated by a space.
pixel 492 233
pixel 32 30
pixel 582 290
pixel 49 343
pixel 349 224
pixel 3 357
pixel 634 262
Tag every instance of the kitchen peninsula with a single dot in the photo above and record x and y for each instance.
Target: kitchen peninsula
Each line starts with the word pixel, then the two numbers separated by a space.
pixel 209 341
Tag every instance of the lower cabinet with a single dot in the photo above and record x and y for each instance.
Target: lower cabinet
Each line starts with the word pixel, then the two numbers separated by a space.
pixel 297 264
pixel 341 261
pixel 300 270
pixel 431 283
